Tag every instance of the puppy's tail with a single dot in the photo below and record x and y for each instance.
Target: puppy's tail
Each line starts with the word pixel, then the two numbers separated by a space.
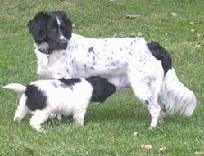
pixel 175 97
pixel 16 87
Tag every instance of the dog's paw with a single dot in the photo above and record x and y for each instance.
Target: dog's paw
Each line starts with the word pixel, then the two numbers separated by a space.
pixel 152 128
pixel 16 119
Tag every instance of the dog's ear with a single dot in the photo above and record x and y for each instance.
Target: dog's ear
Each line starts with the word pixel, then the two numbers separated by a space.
pixel 67 22
pixel 37 26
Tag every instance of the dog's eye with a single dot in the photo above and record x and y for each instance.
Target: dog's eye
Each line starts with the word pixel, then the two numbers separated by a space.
pixel 62 27
pixel 53 29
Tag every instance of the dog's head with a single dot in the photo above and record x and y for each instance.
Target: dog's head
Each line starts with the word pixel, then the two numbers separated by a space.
pixel 102 89
pixel 51 29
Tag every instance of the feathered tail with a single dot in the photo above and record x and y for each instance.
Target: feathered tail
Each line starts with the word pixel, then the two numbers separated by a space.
pixel 175 97
pixel 15 86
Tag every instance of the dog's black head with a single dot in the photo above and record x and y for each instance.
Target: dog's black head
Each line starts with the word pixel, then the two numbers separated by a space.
pixel 102 89
pixel 53 28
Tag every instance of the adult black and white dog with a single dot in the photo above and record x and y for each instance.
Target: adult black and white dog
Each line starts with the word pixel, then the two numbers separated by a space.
pixel 43 98
pixel 144 66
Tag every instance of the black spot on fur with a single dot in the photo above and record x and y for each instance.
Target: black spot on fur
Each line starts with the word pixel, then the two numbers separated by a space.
pixel 94 57
pixel 35 98
pixel 90 49
pixel 102 89
pixel 161 54
pixel 69 82
pixel 67 70
pixel 113 63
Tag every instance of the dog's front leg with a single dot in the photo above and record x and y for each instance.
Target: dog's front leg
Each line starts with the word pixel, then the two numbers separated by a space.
pixel 37 119
pixel 42 61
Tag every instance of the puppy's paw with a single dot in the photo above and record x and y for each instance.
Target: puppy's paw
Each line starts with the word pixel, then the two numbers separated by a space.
pixel 59 117
pixel 16 119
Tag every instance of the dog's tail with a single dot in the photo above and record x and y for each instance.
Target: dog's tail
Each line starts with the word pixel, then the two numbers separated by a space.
pixel 175 97
pixel 15 86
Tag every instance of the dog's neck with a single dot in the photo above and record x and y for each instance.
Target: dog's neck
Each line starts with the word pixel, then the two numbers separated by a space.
pixel 74 41
pixel 72 44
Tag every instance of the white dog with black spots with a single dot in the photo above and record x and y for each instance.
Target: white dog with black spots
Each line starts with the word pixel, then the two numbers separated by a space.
pixel 45 98
pixel 146 67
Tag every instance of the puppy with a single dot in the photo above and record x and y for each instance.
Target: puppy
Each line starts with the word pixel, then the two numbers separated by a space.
pixel 146 67
pixel 43 98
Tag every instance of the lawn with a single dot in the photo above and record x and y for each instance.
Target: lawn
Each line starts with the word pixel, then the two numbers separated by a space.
pixel 120 125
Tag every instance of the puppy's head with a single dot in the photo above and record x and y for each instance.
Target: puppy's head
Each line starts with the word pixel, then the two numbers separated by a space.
pixel 102 89
pixel 52 29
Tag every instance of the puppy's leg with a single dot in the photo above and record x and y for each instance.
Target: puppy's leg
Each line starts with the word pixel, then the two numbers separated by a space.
pixel 37 119
pixel 58 116
pixel 79 117
pixel 22 109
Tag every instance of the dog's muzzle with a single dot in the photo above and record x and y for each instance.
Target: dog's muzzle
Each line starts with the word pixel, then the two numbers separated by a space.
pixel 61 44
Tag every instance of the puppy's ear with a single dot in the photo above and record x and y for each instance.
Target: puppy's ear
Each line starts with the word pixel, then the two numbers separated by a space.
pixel 68 24
pixel 37 26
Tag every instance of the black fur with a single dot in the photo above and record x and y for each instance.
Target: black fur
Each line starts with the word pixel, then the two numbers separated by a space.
pixel 37 27
pixel 102 89
pixel 70 82
pixel 90 49
pixel 35 98
pixel 161 54
pixel 44 28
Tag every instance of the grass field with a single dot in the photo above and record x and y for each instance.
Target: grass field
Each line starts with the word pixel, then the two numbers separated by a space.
pixel 120 125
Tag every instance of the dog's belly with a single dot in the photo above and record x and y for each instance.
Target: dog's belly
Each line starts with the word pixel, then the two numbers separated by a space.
pixel 120 82
pixel 114 74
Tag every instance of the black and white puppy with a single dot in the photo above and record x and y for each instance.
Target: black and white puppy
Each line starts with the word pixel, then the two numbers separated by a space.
pixel 43 98
pixel 144 66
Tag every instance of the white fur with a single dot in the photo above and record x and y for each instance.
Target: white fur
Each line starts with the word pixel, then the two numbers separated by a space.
pixel 60 100
pixel 15 86
pixel 175 96
pixel 125 62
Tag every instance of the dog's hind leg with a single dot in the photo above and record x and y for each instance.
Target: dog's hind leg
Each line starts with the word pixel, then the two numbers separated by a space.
pixel 146 88
pixel 22 109
pixel 154 110
pixel 37 119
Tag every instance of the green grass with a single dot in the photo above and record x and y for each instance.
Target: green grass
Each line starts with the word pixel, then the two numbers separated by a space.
pixel 110 127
